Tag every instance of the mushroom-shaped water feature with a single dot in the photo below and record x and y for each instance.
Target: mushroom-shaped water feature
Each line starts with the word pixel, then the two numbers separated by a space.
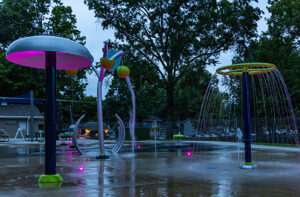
pixel 51 53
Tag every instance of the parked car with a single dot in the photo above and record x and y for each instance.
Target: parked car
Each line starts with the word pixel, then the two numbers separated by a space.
pixel 266 132
pixel 111 137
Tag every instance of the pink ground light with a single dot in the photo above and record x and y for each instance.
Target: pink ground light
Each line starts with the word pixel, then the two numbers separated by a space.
pixel 81 168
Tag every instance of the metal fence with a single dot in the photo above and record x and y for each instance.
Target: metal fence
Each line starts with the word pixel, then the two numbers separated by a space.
pixel 262 130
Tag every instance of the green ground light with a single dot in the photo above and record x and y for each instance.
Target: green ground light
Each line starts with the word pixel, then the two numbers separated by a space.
pixel 102 156
pixel 178 136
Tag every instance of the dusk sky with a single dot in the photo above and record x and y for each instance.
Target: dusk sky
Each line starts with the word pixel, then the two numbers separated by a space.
pixel 95 36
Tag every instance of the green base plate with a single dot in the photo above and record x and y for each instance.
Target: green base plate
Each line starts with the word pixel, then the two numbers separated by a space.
pixel 50 185
pixel 180 145
pixel 102 156
pixel 246 165
pixel 53 178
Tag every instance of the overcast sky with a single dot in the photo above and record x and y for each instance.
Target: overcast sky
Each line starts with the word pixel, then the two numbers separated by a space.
pixel 95 36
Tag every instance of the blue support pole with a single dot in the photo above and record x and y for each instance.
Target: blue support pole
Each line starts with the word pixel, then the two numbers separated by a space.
pixel 50 122
pixel 247 131
pixel 31 116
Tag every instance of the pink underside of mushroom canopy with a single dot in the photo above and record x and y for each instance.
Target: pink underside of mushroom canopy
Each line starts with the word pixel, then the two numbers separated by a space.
pixel 36 59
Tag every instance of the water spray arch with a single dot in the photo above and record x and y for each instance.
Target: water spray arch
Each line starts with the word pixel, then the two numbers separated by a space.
pixel 270 109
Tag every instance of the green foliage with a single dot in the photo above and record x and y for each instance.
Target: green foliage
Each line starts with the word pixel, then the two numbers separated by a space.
pixel 17 80
pixel 21 18
pixel 285 20
pixel 89 109
pixel 63 23
pixel 190 92
pixel 140 133
pixel 280 46
pixel 65 135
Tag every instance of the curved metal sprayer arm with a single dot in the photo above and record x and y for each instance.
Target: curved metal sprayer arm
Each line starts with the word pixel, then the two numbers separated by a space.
pixel 74 139
pixel 118 54
pixel 96 71
pixel 121 136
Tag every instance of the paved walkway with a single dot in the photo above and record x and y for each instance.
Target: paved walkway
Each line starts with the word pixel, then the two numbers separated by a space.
pixel 87 142
pixel 211 171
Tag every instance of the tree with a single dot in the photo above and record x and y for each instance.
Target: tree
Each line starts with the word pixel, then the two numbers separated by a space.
pixel 63 23
pixel 190 91
pixel 177 36
pixel 285 20
pixel 88 107
pixel 21 18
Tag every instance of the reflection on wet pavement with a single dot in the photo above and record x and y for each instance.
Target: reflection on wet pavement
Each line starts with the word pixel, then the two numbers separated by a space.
pixel 210 170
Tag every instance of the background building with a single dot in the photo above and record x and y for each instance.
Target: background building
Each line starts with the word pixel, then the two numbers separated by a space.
pixel 16 113
pixel 14 116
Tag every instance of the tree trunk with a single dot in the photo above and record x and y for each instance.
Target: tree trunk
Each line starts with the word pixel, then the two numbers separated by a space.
pixel 170 111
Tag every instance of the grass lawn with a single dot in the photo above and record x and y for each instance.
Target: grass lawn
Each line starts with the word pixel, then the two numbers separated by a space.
pixel 276 144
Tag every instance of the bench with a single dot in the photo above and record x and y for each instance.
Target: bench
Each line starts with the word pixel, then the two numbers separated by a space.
pixel 37 135
pixel 4 135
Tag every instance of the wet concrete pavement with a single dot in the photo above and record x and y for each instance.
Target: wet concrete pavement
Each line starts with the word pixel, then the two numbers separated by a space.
pixel 211 170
